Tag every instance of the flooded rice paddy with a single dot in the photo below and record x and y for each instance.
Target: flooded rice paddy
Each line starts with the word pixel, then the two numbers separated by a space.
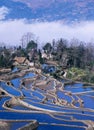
pixel 47 100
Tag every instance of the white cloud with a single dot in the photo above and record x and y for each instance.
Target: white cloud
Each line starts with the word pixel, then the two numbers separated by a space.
pixel 3 12
pixel 12 31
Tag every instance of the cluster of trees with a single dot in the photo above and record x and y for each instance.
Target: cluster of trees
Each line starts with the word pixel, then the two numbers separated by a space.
pixel 70 54
pixel 28 44
pixel 5 57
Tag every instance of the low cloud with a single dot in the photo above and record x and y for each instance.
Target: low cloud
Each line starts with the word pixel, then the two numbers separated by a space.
pixel 3 12
pixel 11 31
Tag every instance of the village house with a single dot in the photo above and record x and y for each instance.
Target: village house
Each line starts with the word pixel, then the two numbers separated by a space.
pixel 21 61
pixel 44 55
pixel 47 56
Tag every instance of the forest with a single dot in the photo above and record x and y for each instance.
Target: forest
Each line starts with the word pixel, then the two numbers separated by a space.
pixel 75 56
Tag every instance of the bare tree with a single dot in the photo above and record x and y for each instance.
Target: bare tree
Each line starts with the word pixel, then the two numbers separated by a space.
pixel 74 42
pixel 26 38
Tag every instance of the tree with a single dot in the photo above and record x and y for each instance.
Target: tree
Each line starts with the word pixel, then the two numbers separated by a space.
pixel 5 58
pixel 89 55
pixel 61 49
pixel 40 57
pixel 47 48
pixel 31 50
pixel 74 42
pixel 32 45
pixel 26 38
pixel 81 55
pixel 53 45
pixel 61 45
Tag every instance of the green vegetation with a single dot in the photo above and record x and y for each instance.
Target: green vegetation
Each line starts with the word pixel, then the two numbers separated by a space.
pixel 75 56
pixel 78 74
pixel 31 45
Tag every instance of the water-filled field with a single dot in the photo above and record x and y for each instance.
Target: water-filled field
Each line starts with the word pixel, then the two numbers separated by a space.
pixel 45 99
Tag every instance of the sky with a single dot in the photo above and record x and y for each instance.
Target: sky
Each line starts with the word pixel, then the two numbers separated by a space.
pixel 13 28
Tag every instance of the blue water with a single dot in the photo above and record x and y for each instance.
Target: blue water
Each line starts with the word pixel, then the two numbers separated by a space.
pixel 35 97
pixel 38 117
pixel 63 117
pixel 41 91
pixel 48 68
pixel 82 117
pixel 27 93
pixel 61 95
pixel 74 85
pixel 88 101
pixel 44 106
pixel 2 100
pixel 63 80
pixel 10 89
pixel 31 99
pixel 20 108
pixel 49 127
pixel 90 93
pixel 58 109
pixel 75 97
pixel 37 94
pixel 16 82
pixel 77 104
pixel 77 89
pixel 15 70
pixel 29 75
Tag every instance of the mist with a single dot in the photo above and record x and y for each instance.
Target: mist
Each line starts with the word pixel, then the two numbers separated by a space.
pixel 11 31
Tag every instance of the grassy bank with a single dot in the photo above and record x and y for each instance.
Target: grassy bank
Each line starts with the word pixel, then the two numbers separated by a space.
pixel 77 74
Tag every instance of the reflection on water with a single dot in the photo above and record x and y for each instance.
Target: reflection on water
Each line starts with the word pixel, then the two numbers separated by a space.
pixel 62 109
pixel 77 88
pixel 54 127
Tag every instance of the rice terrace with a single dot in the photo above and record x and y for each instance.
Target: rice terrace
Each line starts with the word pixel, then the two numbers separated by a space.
pixel 30 96
pixel 46 64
